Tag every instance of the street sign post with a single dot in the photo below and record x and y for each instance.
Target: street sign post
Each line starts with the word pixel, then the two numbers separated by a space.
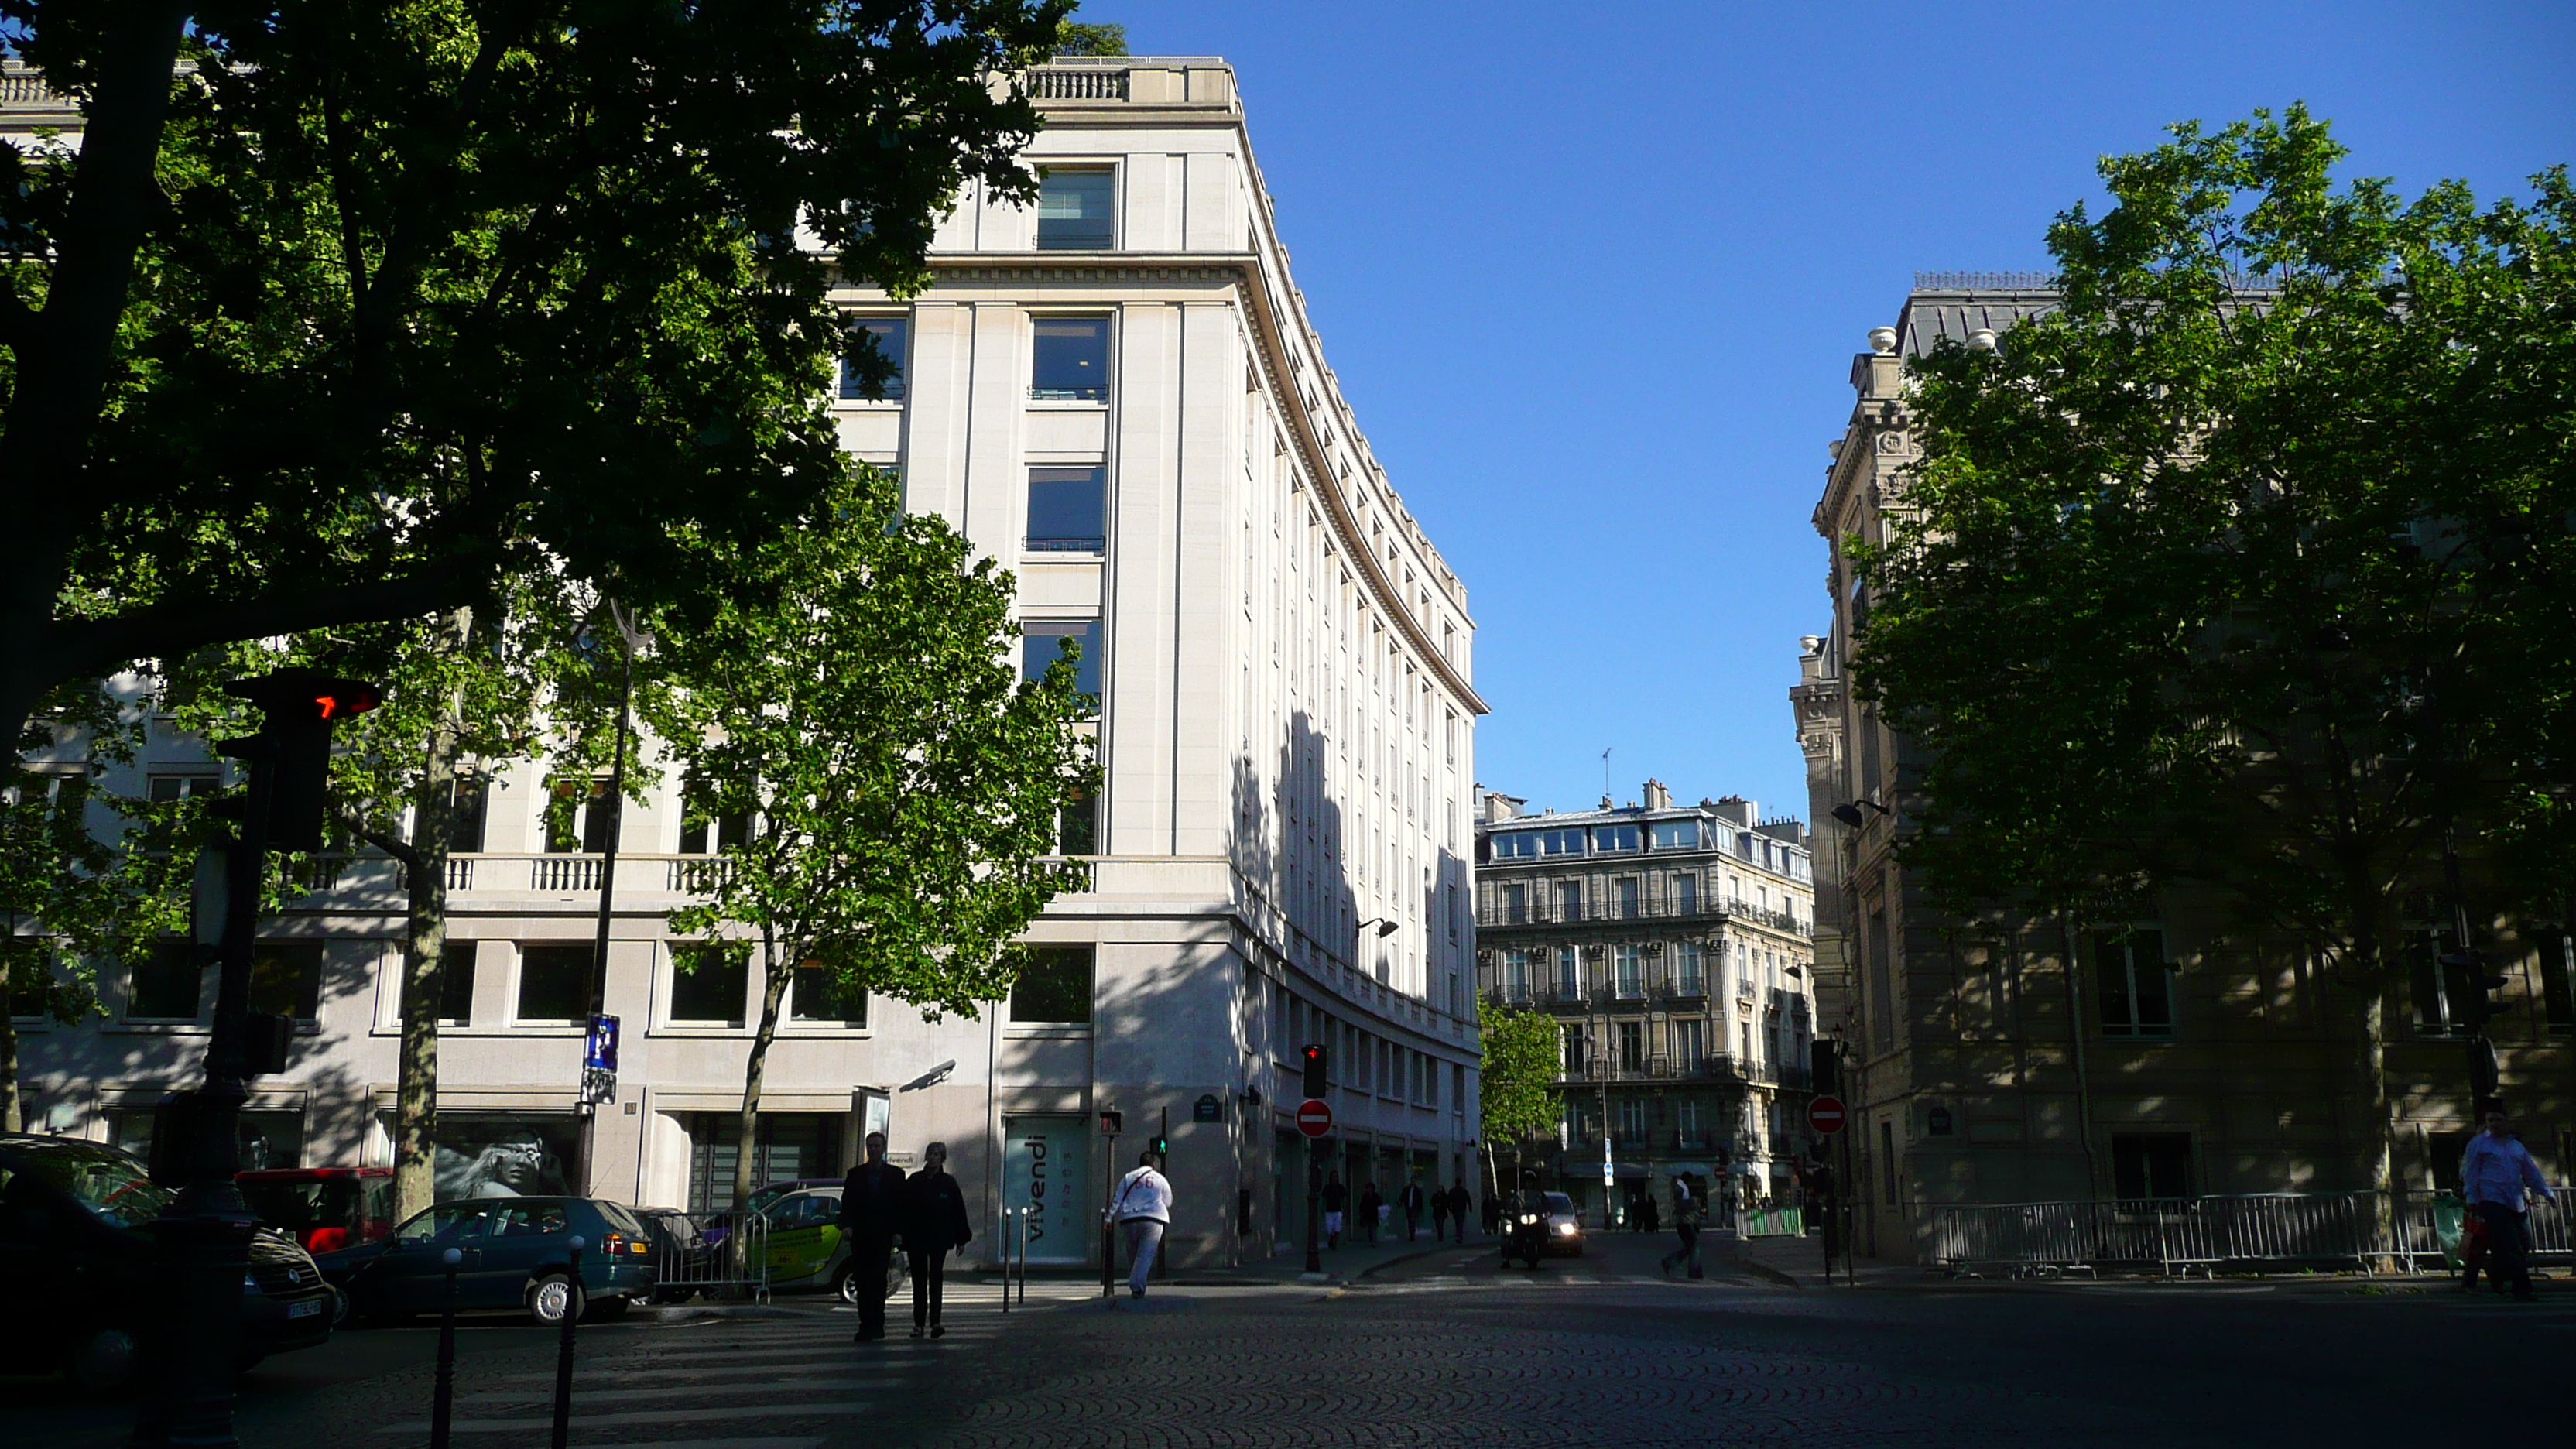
pixel 1825 1114
pixel 599 1061
pixel 1314 1118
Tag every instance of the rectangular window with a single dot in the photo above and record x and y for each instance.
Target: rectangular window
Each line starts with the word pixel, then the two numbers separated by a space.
pixel 1068 510
pixel 2136 988
pixel 1077 830
pixel 1887 1158
pixel 1516 975
pixel 1516 845
pixel 1074 209
pixel 1632 1046
pixel 286 979
pixel 2557 998
pixel 1515 903
pixel 1577 1059
pixel 588 826
pixel 1676 835
pixel 1629 897
pixel 554 983
pixel 1070 361
pixel 1569 974
pixel 2148 1165
pixel 1054 986
pixel 456 984
pixel 1453 915
pixel 1689 974
pixel 1561 842
pixel 164 984
pixel 1043 640
pixel 886 371
pixel 817 996
pixel 709 983
pixel 1630 971
pixel 1569 900
pixel 1686 895
pixel 1690 1044
pixel 171 789
pixel 1615 838
pixel 1690 1119
pixel 707 837
pixel 1632 1121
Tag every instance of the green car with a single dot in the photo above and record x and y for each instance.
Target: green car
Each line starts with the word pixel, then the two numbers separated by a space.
pixel 805 1248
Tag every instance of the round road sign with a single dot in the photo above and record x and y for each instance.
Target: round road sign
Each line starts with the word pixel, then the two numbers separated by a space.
pixel 1825 1114
pixel 1314 1118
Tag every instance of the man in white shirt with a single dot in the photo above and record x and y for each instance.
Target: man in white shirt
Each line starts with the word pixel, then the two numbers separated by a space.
pixel 1143 1207
pixel 2493 1174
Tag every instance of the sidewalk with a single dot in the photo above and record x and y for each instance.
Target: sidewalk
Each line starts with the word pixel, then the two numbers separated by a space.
pixel 1799 1262
pixel 1342 1265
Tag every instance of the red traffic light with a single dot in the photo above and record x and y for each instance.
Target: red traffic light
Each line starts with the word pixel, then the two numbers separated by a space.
pixel 345 697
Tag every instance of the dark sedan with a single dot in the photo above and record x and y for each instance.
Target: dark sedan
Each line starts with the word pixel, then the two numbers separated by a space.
pixel 513 1252
pixel 76 1224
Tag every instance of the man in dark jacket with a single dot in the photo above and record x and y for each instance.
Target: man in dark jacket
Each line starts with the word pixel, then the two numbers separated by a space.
pixel 1370 1202
pixel 1336 1197
pixel 934 1225
pixel 1461 1203
pixel 871 1215
pixel 1410 1202
pixel 1440 1214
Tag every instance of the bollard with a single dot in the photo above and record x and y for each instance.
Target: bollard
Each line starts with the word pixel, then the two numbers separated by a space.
pixel 563 1355
pixel 1010 1216
pixel 1024 1253
pixel 442 1399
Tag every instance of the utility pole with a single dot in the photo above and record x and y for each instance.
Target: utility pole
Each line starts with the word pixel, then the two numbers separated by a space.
pixel 201 1241
pixel 599 1082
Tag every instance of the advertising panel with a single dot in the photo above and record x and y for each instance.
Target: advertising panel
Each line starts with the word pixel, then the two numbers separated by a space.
pixel 1046 1167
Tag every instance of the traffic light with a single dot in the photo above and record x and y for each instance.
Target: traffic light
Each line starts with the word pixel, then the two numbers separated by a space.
pixel 1162 1145
pixel 1314 1072
pixel 301 706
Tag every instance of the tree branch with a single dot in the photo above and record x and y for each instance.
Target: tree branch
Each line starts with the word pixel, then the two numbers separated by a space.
pixel 80 647
pixel 386 841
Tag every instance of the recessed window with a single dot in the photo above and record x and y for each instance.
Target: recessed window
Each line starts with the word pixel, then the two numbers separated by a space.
pixel 2147 1165
pixel 164 984
pixel 1077 829
pixel 1632 1053
pixel 1074 209
pixel 1615 838
pixel 1676 835
pixel 1070 360
pixel 708 984
pixel 286 979
pixel 1690 1044
pixel 1053 987
pixel 2136 990
pixel 554 983
pixel 455 983
pixel 817 995
pixel 1688 971
pixel 1068 510
pixel 1516 845
pixel 1686 895
pixel 879 378
pixel 590 823
pixel 1042 642
pixel 1630 971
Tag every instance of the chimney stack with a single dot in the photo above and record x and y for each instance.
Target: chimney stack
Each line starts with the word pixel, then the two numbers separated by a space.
pixel 1657 797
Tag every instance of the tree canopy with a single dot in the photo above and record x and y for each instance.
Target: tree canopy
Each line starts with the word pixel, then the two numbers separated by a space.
pixel 1517 1079
pixel 2248 564
pixel 373 305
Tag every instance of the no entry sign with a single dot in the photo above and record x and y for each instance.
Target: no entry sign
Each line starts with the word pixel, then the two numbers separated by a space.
pixel 1825 1114
pixel 1314 1118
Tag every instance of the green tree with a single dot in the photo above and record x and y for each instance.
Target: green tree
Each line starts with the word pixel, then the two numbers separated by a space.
pixel 1073 38
pixel 2247 566
pixel 1516 1080
pixel 378 304
pixel 850 693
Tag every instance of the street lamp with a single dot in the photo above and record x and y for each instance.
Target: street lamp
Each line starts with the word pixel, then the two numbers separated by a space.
pixel 1850 814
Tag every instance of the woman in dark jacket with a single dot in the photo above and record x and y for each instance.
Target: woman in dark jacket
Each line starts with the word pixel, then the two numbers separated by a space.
pixel 934 1225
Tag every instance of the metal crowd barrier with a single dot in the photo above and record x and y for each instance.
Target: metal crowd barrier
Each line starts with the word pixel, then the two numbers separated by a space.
pixel 723 1255
pixel 2251 1230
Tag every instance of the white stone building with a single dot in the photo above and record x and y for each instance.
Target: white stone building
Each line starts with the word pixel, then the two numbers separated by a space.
pixel 1117 394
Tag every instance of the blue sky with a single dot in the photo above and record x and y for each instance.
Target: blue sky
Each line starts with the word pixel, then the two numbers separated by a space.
pixel 1592 278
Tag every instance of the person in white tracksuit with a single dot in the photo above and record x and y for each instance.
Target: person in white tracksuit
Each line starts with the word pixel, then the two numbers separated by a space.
pixel 1142 1206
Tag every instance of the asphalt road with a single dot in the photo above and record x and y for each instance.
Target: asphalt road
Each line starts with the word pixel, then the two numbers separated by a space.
pixel 1452 1349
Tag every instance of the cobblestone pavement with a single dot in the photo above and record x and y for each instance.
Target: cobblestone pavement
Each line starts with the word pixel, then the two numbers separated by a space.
pixel 1450 1348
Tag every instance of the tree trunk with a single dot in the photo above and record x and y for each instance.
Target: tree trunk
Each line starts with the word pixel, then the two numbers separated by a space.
pixel 425 969
pixel 774 974
pixel 9 1120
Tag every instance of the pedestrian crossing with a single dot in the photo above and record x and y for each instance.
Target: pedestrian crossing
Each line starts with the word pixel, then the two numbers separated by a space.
pixel 729 1383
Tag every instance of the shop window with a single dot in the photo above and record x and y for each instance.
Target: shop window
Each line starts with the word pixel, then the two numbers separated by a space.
pixel 788 1146
pixel 1074 209
pixel 709 983
pixel 817 996
pixel 506 1155
pixel 264 1138
pixel 286 979
pixel 2135 985
pixel 1042 643
pixel 554 983
pixel 878 379
pixel 1070 360
pixel 1068 510
pixel 1054 986
pixel 2150 1165
pixel 164 984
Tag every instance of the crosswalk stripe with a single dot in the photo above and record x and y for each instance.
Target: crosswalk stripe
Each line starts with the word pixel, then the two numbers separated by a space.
pixel 642 1416
pixel 622 1395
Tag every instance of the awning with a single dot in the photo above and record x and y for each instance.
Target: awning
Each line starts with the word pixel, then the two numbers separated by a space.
pixel 1632 1171
pixel 1690 1169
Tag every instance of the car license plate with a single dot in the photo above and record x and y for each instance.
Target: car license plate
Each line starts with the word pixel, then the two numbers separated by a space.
pixel 305 1309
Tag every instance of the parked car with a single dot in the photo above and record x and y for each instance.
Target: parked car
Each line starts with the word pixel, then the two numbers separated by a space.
pixel 76 1226
pixel 768 1193
pixel 806 1250
pixel 517 1254
pixel 324 1208
pixel 684 1251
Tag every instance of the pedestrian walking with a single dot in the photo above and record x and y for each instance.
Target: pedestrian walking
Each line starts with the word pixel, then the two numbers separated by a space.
pixel 934 1225
pixel 1653 1212
pixel 1493 1212
pixel 1372 1211
pixel 1439 1214
pixel 1336 1197
pixel 1412 1201
pixel 2495 1173
pixel 872 1199
pixel 1461 1203
pixel 1143 1209
pixel 1686 1216
pixel 2473 1254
